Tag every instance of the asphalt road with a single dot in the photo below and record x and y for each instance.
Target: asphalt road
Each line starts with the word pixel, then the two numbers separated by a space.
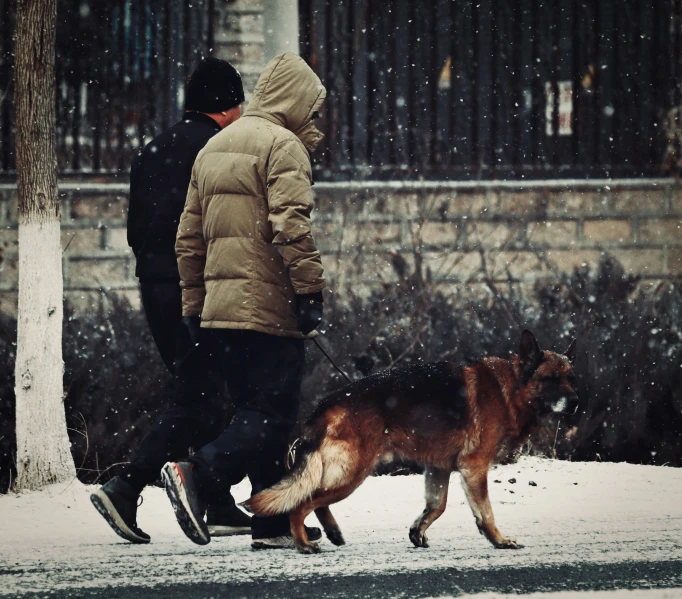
pixel 430 583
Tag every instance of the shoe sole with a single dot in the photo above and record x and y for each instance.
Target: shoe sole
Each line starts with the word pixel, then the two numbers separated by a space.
pixel 189 524
pixel 228 531
pixel 107 510
pixel 285 543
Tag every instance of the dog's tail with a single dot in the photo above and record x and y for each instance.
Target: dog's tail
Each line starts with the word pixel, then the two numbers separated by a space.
pixel 295 488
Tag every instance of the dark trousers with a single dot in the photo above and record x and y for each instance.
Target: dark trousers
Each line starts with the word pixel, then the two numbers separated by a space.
pixel 263 374
pixel 196 414
pixel 162 303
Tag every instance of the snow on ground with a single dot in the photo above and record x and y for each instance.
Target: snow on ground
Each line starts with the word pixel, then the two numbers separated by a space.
pixel 619 594
pixel 577 513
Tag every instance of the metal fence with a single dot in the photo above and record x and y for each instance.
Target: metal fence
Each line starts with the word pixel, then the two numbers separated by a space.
pixel 121 69
pixel 494 88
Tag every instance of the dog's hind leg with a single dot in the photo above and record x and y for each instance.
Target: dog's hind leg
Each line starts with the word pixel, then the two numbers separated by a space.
pixel 296 522
pixel 437 482
pixel 331 528
pixel 475 482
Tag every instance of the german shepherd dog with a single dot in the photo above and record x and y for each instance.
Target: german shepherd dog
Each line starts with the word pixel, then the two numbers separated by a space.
pixel 438 415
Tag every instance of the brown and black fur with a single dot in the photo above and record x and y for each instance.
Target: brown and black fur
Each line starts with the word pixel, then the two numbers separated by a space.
pixel 439 415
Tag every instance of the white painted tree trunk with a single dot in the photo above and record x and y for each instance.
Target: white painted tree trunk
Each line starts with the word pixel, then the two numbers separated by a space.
pixel 43 448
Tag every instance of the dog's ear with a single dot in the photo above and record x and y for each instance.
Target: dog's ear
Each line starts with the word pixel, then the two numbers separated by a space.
pixel 570 352
pixel 529 353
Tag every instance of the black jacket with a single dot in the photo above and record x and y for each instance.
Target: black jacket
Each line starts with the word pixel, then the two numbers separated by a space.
pixel 159 178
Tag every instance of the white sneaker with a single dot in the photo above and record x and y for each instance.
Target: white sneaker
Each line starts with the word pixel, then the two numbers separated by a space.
pixel 218 530
pixel 283 542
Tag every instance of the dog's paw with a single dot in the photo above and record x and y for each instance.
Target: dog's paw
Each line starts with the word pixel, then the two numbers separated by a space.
pixel 508 544
pixel 308 549
pixel 419 539
pixel 335 537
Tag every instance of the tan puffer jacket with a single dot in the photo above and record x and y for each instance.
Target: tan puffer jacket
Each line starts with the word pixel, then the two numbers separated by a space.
pixel 244 243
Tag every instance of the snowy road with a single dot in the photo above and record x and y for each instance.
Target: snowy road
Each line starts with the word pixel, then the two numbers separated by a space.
pixel 585 526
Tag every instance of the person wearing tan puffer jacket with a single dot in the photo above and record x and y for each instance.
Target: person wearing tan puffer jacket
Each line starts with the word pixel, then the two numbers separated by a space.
pixel 251 274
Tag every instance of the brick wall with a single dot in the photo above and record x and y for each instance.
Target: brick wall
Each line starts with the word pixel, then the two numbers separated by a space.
pixel 464 232
pixel 96 252
pixel 536 231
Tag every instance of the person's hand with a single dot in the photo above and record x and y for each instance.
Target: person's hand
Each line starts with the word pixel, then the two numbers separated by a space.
pixel 309 307
pixel 193 326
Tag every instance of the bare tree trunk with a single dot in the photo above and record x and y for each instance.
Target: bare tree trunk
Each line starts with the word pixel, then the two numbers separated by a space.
pixel 43 449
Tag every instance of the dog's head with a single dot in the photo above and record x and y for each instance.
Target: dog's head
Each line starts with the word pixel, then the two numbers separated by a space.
pixel 548 377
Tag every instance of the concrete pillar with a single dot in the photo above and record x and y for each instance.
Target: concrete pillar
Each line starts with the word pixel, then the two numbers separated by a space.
pixel 280 27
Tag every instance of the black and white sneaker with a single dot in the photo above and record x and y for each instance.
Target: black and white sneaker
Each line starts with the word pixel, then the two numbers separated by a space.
pixel 117 501
pixel 227 520
pixel 188 506
pixel 285 541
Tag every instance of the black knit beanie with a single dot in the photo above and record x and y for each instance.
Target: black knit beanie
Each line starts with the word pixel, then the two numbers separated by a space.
pixel 214 86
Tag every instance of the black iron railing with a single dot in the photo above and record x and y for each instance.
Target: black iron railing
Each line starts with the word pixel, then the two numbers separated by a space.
pixel 494 88
pixel 121 68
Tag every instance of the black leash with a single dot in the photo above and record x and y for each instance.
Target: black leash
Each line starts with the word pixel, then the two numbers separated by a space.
pixel 326 355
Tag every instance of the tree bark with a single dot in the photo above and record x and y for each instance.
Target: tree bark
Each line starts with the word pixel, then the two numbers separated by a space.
pixel 43 448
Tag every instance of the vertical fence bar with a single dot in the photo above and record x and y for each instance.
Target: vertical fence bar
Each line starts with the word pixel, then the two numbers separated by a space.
pixel 392 46
pixel 484 85
pixel 564 88
pixel 443 87
pixel 553 72
pixel 321 20
pixel 412 82
pixel 380 91
pixel 210 24
pixel 495 115
pixel 344 78
pixel 607 79
pixel 505 86
pixel 330 79
pixel 525 41
pixel 515 60
pixel 95 89
pixel 433 75
pixel 464 86
pixel 576 84
pixel 402 61
pixel 420 89
pixel 627 92
pixel 660 73
pixel 588 125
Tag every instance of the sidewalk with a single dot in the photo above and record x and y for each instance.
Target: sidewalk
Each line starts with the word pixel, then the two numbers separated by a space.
pixel 578 514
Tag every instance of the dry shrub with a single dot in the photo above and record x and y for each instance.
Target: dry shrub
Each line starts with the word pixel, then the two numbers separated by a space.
pixel 629 350
pixel 629 358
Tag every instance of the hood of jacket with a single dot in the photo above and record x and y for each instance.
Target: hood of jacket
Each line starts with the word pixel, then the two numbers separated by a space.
pixel 289 93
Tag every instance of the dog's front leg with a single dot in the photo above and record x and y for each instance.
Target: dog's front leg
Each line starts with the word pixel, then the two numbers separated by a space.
pixel 437 482
pixel 475 483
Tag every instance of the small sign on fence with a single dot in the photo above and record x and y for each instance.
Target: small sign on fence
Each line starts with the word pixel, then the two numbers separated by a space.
pixel 565 124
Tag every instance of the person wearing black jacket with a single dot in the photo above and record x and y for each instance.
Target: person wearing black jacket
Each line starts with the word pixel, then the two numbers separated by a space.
pixel 159 179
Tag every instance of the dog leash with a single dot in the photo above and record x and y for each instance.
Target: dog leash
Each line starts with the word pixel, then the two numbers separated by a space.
pixel 291 453
pixel 326 355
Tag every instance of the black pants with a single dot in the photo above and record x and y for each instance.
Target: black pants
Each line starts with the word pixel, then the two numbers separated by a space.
pixel 196 414
pixel 162 303
pixel 263 374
